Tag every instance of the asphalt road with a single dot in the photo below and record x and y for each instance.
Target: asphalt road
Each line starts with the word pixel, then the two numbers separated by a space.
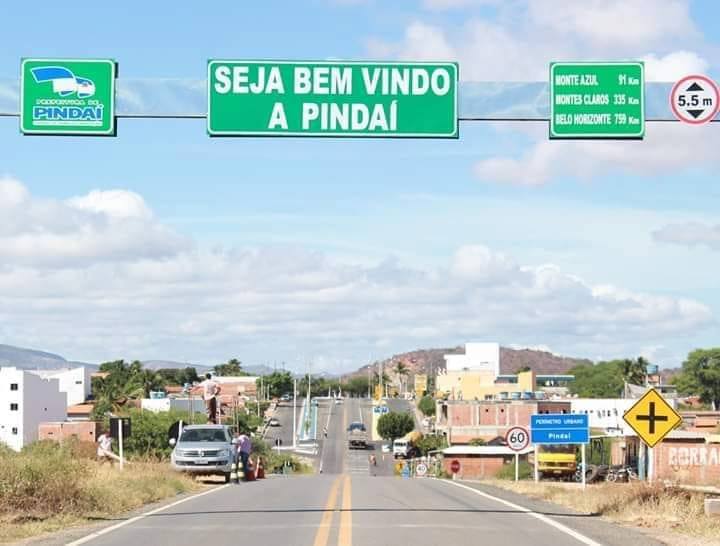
pixel 348 505
pixel 284 414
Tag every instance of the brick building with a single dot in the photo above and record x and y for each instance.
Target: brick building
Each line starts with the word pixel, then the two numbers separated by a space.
pixel 463 420
pixel 84 431
pixel 688 458
pixel 479 461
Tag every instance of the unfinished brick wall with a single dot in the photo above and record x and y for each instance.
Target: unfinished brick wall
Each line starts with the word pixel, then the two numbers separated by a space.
pixel 688 462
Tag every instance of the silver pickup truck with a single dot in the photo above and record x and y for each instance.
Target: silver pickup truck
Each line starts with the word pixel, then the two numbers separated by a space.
pixel 204 449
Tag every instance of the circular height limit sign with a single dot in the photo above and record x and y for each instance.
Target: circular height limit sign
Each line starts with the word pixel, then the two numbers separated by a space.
pixel 695 99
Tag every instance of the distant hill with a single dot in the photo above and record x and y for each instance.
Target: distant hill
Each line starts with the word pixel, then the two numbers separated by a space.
pixel 173 365
pixel 511 360
pixel 32 359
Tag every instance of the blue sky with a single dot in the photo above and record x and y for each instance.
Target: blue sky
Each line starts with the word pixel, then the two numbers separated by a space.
pixel 164 243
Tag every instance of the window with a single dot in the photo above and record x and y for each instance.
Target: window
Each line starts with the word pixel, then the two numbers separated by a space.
pixel 13 407
pixel 78 382
pixel 13 386
pixel 14 430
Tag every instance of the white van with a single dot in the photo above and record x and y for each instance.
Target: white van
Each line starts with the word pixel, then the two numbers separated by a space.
pixel 400 449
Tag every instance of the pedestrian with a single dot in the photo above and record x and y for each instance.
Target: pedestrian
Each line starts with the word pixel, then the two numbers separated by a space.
pixel 210 391
pixel 104 449
pixel 243 447
pixel 325 432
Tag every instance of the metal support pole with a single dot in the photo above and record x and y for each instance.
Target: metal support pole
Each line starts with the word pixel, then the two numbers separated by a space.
pixel 535 463
pixel 582 462
pixel 120 442
pixel 295 414
pixel 517 466
pixel 650 464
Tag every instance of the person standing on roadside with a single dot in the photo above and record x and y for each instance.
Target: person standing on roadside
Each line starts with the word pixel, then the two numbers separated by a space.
pixel 210 391
pixel 104 449
pixel 244 447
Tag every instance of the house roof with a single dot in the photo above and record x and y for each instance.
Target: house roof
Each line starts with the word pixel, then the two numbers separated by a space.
pixel 483 450
pixel 80 409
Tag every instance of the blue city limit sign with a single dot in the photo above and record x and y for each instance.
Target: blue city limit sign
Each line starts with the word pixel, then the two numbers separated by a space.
pixel 560 428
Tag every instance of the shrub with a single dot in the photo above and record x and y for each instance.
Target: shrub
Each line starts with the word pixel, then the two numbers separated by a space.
pixel 507 472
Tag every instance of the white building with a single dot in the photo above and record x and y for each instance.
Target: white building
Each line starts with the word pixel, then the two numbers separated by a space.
pixel 76 382
pixel 157 405
pixel 478 357
pixel 26 400
pixel 605 413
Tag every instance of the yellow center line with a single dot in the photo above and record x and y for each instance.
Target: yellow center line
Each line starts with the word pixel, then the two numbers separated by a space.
pixel 345 536
pixel 323 532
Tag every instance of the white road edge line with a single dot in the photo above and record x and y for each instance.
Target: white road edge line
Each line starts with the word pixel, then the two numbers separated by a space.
pixel 112 528
pixel 559 526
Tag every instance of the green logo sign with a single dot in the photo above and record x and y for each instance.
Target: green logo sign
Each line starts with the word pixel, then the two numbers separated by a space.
pixel 356 99
pixel 67 97
pixel 597 100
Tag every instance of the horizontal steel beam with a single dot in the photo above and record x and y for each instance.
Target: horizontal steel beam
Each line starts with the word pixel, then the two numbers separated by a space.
pixel 480 101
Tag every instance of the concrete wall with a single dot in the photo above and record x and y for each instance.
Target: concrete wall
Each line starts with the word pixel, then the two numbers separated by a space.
pixel 84 431
pixel 477 466
pixel 76 382
pixel 688 462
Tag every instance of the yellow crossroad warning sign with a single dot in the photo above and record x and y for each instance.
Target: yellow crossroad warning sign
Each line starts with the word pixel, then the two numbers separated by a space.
pixel 652 417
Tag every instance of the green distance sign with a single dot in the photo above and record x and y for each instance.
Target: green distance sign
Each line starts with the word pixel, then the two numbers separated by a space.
pixel 333 99
pixel 597 100
pixel 67 96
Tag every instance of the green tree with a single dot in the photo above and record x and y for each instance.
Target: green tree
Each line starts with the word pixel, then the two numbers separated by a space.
pixel 402 371
pixel 601 380
pixel 430 443
pixel 395 425
pixel 232 368
pixel 149 438
pixel 357 386
pixel 122 383
pixel 701 370
pixel 427 405
pixel 477 442
pixel 174 376
pixel 278 383
pixel 151 381
pixel 634 371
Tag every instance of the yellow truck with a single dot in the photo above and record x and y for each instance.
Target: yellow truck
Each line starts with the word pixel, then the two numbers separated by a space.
pixel 557 461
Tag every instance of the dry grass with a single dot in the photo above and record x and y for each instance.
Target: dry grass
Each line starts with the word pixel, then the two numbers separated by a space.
pixel 49 488
pixel 664 510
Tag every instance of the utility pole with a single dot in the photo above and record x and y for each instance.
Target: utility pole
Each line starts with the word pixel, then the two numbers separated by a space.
pixel 294 413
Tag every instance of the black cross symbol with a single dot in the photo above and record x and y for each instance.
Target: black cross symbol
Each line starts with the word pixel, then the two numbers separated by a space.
pixel 651 418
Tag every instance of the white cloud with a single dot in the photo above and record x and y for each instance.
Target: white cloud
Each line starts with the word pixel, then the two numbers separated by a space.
pixel 442 5
pixel 520 43
pixel 615 23
pixel 689 234
pixel 102 225
pixel 125 298
pixel 666 148
pixel 673 66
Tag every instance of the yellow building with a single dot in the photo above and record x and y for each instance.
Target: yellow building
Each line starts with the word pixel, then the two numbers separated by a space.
pixel 482 385
pixel 421 384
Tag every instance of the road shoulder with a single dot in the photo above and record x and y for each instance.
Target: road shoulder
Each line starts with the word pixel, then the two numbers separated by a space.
pixel 591 525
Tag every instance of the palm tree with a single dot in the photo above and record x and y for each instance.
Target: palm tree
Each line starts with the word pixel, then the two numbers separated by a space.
pixel 634 371
pixel 123 382
pixel 401 370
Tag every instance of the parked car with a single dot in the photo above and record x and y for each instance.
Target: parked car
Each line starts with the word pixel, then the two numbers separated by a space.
pixel 273 422
pixel 285 398
pixel 203 450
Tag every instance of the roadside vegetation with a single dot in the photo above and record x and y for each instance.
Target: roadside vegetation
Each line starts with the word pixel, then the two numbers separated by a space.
pixel 663 509
pixel 48 486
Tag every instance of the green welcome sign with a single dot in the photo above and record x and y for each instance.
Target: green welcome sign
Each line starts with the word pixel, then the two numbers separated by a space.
pixel 334 99
pixel 67 97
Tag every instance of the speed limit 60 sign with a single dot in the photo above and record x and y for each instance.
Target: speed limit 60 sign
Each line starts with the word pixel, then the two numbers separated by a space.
pixel 517 438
